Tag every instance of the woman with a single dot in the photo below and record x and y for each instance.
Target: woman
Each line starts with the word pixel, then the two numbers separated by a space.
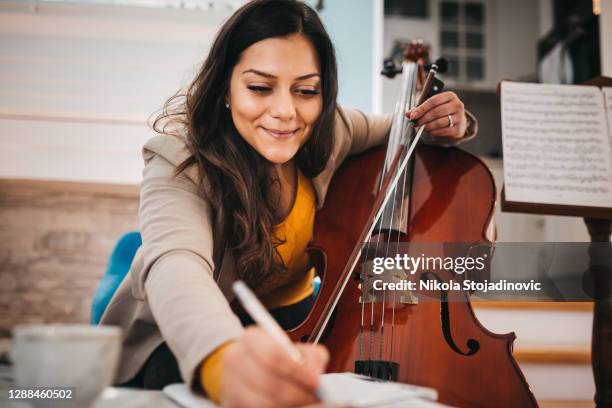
pixel 229 191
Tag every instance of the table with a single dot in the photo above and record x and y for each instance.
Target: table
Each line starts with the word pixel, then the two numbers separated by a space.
pixel 112 397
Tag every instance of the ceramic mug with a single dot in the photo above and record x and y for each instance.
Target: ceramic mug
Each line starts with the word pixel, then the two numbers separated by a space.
pixel 80 358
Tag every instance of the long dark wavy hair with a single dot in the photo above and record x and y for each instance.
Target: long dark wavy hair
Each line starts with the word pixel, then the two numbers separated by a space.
pixel 234 178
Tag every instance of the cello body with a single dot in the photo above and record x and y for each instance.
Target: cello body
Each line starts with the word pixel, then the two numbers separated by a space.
pixel 452 200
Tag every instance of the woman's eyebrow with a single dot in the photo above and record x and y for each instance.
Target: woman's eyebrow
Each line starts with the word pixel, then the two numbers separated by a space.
pixel 267 75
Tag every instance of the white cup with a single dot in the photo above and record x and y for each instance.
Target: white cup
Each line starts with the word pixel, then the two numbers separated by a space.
pixel 80 357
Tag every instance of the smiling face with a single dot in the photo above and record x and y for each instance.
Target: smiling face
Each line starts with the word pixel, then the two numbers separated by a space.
pixel 275 96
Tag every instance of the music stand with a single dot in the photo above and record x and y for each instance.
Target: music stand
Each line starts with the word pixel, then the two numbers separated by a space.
pixel 598 221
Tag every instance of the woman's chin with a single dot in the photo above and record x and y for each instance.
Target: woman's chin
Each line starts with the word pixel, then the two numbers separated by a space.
pixel 277 157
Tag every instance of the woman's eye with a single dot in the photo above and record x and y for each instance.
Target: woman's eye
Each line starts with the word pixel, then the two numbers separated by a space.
pixel 259 88
pixel 308 92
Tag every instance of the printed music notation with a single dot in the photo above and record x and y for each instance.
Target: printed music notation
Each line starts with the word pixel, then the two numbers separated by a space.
pixel 607 93
pixel 557 143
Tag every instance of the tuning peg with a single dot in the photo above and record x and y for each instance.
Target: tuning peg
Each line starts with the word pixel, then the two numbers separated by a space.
pixel 441 63
pixel 390 69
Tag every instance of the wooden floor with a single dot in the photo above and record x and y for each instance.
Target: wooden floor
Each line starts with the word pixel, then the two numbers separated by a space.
pixel 566 404
pixel 55 241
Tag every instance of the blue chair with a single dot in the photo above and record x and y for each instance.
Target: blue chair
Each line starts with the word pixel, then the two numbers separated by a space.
pixel 316 285
pixel 118 266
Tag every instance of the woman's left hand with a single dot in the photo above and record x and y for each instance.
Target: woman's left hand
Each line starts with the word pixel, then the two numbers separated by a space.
pixel 442 114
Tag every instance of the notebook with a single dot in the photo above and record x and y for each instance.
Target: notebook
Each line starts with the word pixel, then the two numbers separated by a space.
pixel 339 390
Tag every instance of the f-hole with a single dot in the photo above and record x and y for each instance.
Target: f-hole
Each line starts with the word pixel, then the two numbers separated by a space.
pixel 473 345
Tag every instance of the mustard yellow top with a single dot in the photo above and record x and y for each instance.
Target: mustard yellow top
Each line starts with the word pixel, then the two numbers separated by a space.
pixel 296 231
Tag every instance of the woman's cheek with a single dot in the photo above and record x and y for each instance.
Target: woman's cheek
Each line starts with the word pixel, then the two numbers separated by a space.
pixel 252 106
pixel 310 114
pixel 312 111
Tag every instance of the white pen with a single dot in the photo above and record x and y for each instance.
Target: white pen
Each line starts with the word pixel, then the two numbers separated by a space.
pixel 263 318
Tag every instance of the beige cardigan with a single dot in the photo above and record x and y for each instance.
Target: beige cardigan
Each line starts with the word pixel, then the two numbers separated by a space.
pixel 178 287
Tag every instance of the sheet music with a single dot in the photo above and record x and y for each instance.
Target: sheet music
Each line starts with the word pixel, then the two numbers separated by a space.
pixel 607 92
pixel 557 145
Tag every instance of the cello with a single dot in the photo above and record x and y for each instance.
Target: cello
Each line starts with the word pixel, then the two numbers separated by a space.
pixel 409 193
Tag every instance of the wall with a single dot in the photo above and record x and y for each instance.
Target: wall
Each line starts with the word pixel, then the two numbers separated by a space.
pixel 78 83
pixel 56 239
pixel 77 86
pixel 351 25
pixel 510 43
pixel 605 37
pixel 404 29
pixel 511 35
pixel 545 15
pixel 515 30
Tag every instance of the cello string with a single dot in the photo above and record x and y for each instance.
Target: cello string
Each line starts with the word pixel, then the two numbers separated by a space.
pixel 378 229
pixel 366 258
pixel 388 238
pixel 362 301
pixel 378 234
pixel 371 331
pixel 382 327
pixel 403 196
pixel 407 129
pixel 387 244
pixel 410 100
pixel 404 176
pixel 330 306
pixel 363 289
pixel 361 331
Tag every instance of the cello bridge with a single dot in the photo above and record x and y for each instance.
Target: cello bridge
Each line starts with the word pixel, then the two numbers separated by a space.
pixel 370 284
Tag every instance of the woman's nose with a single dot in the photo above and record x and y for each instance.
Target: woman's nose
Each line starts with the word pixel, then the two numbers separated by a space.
pixel 282 107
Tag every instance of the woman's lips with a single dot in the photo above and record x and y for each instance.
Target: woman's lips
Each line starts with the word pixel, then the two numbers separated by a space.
pixel 280 134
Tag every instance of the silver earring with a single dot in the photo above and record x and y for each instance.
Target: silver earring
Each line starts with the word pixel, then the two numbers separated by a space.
pixel 227 105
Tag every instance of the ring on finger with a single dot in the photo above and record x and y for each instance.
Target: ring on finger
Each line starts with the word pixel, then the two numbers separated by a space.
pixel 450 121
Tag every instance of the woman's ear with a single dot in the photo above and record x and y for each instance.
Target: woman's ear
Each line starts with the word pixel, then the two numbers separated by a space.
pixel 227 104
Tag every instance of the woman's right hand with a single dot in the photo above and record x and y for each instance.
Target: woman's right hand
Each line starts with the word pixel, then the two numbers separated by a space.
pixel 257 372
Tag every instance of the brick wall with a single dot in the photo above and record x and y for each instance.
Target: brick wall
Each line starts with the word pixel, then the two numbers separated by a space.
pixel 55 239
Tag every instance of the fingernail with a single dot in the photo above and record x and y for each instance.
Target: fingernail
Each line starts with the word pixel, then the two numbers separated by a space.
pixel 323 356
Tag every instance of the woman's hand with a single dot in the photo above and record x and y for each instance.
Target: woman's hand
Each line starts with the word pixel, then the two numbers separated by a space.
pixel 442 114
pixel 257 372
